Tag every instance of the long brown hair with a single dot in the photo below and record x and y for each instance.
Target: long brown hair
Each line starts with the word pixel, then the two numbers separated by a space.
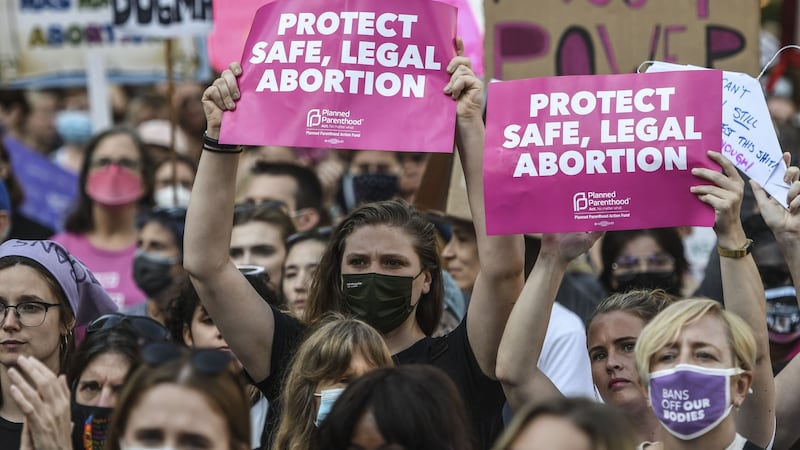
pixel 324 356
pixel 326 290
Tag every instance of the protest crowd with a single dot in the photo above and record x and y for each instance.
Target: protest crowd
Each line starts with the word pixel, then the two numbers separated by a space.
pixel 188 290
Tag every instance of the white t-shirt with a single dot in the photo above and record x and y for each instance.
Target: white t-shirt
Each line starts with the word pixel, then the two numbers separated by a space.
pixel 564 357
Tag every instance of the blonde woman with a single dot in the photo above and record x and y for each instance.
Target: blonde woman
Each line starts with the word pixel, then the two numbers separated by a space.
pixel 695 362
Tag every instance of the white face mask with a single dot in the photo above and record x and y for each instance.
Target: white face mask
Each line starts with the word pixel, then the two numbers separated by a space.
pixel 166 197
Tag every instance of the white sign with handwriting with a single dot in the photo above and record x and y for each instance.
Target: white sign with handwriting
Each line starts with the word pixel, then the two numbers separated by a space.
pixel 748 135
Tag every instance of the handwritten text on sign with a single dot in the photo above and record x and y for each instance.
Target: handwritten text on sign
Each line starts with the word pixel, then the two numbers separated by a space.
pixel 582 37
pixel 163 18
pixel 353 74
pixel 748 136
pixel 597 152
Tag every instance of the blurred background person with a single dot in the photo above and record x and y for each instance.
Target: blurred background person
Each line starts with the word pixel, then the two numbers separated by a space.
pixel 74 129
pixel 304 251
pixel 298 188
pixel 157 263
pixel 259 237
pixel 156 136
pixel 644 259
pixel 371 176
pixel 413 166
pixel 116 181
pixel 167 193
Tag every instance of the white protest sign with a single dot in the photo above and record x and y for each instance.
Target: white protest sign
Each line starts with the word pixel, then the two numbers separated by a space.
pixel 748 135
pixel 162 18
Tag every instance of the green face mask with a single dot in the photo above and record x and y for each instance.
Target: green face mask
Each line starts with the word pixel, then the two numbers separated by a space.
pixel 383 301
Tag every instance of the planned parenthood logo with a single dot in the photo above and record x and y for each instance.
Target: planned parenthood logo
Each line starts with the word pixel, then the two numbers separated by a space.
pixel 313 118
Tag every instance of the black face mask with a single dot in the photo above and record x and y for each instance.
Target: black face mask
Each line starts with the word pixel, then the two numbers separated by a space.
pixel 383 301
pixel 374 187
pixel 90 426
pixel 668 281
pixel 152 272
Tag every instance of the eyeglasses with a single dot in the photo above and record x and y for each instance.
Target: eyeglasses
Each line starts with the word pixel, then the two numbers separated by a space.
pixel 127 163
pixel 654 262
pixel 205 360
pixel 29 314
pixel 144 327
pixel 321 233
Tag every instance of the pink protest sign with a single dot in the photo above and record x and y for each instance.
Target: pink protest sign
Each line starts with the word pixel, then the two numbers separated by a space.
pixel 354 74
pixel 231 25
pixel 605 152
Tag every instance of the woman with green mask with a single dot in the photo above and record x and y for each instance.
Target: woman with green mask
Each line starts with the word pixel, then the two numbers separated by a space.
pixel 381 266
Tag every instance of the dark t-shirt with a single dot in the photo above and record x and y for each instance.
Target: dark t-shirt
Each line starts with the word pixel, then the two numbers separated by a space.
pixel 289 332
pixel 482 396
pixel 10 434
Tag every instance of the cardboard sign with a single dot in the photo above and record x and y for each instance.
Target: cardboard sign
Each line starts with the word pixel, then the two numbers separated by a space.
pixel 45 43
pixel 162 18
pixel 610 152
pixel 582 37
pixel 748 135
pixel 352 74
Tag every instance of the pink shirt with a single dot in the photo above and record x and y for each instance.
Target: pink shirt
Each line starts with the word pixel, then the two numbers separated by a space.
pixel 112 268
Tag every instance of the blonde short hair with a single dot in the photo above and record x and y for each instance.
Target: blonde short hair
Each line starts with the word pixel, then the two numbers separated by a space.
pixel 667 325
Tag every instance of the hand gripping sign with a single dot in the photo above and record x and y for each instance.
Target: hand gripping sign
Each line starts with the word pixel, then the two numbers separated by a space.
pixel 605 152
pixel 355 74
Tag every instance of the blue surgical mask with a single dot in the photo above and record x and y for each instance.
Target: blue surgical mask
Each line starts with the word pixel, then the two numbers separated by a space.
pixel 329 397
pixel 74 127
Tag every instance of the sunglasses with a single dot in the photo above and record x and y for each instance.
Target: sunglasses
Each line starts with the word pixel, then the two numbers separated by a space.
pixel 249 206
pixel 207 361
pixel 145 327
pixel 321 233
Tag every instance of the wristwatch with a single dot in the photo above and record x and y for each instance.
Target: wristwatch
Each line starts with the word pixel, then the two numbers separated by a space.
pixel 736 252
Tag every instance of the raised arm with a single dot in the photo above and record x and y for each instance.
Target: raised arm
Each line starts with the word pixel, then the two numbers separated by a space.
pixel 743 293
pixel 785 224
pixel 524 334
pixel 501 257
pixel 244 319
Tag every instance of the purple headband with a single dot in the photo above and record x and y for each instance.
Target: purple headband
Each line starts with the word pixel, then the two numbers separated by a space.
pixel 86 297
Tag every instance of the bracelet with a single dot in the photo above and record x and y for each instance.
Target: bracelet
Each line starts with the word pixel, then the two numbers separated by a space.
pixel 212 145
pixel 736 252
